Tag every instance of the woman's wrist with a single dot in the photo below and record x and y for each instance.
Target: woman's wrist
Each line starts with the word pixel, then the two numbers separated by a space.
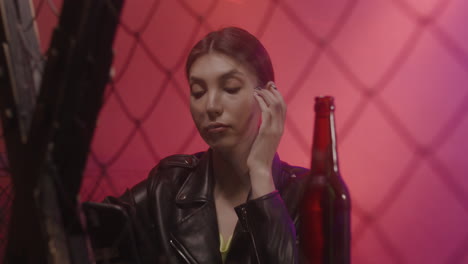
pixel 262 183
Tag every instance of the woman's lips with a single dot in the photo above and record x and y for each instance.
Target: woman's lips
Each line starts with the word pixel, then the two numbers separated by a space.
pixel 216 128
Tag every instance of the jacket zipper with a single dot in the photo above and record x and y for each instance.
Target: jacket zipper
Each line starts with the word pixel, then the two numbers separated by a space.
pixel 244 214
pixel 172 242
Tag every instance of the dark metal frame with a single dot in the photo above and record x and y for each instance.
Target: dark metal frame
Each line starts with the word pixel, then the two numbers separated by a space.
pixel 48 138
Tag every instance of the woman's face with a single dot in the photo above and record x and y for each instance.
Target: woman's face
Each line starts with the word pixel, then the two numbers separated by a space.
pixel 222 101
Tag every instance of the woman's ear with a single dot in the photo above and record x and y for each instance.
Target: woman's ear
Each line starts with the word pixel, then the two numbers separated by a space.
pixel 270 85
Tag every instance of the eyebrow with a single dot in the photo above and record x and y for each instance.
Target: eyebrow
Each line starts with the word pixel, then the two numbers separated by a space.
pixel 196 80
pixel 223 77
pixel 230 74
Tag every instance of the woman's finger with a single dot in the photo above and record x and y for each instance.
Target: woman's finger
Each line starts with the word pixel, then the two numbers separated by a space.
pixel 268 97
pixel 274 90
pixel 279 106
pixel 275 102
pixel 266 120
pixel 261 101
pixel 273 119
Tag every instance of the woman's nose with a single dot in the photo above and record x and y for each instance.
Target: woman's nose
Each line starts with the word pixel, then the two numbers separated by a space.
pixel 214 106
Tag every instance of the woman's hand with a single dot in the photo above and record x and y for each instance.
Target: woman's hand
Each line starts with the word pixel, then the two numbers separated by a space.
pixel 263 149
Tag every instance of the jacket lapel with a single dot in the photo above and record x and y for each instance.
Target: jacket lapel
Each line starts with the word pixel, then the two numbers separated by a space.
pixel 240 250
pixel 196 232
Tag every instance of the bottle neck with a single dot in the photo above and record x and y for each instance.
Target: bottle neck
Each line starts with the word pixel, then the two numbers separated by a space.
pixel 324 149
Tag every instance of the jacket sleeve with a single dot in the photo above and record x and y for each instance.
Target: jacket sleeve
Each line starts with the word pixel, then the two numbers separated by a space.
pixel 134 202
pixel 271 229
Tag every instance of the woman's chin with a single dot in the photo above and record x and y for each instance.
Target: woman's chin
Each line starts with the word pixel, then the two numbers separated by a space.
pixel 222 145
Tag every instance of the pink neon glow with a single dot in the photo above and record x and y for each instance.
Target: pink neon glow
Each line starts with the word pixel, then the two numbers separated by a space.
pixel 421 103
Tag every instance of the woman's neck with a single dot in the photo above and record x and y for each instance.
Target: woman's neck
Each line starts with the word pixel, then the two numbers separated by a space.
pixel 231 172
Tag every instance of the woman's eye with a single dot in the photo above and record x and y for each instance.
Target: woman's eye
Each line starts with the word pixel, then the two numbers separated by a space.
pixel 232 90
pixel 196 90
pixel 197 94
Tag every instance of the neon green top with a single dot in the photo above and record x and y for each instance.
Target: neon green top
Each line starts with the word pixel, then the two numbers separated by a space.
pixel 224 246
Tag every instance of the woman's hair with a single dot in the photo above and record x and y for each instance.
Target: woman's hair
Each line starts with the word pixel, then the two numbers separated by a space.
pixel 238 44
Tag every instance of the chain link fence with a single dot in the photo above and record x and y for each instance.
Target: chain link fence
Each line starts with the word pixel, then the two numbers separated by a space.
pixel 397 68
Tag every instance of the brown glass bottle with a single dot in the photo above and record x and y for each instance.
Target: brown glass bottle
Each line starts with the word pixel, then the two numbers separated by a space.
pixel 325 210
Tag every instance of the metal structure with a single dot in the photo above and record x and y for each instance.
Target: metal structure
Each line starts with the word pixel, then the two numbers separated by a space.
pixel 48 136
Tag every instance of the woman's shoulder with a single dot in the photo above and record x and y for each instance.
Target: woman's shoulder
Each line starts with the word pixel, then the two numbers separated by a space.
pixel 292 180
pixel 179 161
pixel 174 167
pixel 163 179
pixel 292 173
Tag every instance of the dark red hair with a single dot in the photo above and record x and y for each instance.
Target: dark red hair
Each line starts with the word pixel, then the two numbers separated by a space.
pixel 238 44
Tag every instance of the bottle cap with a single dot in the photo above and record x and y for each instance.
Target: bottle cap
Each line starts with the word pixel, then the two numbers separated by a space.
pixel 324 104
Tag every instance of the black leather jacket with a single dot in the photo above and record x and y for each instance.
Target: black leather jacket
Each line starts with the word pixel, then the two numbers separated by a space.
pixel 174 215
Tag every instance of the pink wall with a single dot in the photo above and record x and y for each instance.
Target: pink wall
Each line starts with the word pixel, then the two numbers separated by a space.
pixel 400 81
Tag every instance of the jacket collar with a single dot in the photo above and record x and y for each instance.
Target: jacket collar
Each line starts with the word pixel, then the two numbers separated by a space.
pixel 198 187
pixel 197 214
pixel 276 172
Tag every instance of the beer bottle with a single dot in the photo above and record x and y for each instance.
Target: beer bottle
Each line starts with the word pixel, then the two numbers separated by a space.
pixel 325 209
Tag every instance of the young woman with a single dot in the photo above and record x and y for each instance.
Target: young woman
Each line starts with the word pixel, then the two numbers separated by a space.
pixel 236 202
